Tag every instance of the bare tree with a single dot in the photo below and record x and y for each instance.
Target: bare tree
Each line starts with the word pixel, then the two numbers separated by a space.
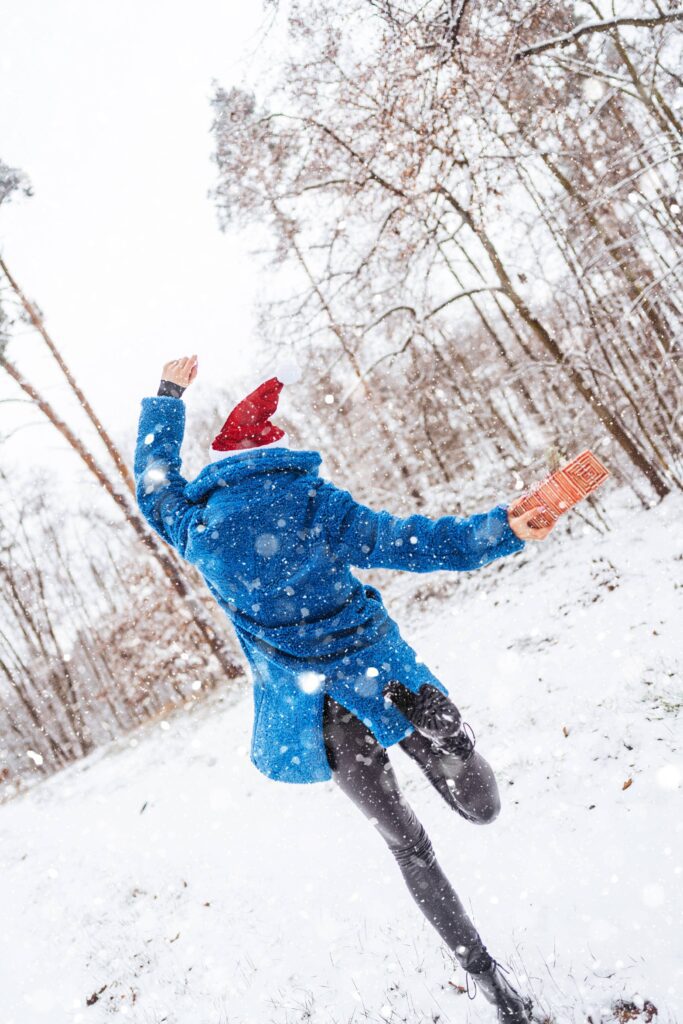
pixel 89 643
pixel 483 218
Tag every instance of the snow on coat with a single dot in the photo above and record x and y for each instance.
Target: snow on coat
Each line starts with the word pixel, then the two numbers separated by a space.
pixel 275 543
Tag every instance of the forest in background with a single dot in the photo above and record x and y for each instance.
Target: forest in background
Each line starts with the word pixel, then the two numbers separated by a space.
pixel 469 218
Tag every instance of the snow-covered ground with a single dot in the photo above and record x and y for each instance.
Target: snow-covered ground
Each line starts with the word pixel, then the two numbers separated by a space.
pixel 165 880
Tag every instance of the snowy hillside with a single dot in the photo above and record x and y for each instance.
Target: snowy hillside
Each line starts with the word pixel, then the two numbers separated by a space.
pixel 165 880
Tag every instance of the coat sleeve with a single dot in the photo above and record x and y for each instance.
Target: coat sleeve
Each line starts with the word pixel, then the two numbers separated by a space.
pixel 379 540
pixel 160 487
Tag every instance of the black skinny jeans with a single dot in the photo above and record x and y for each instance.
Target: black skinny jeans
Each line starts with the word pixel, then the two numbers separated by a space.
pixel 361 768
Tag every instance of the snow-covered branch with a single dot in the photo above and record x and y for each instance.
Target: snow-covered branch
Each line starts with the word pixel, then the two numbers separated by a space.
pixel 597 26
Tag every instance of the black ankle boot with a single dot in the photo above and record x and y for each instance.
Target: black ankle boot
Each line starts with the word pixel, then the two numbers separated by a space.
pixel 512 1007
pixel 434 715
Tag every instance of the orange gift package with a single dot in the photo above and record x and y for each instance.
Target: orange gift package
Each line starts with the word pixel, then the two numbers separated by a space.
pixel 563 489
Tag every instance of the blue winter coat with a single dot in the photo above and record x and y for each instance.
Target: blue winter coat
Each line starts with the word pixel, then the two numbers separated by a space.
pixel 275 543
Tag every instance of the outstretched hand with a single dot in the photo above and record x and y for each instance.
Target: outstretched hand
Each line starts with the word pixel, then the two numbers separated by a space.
pixel 520 525
pixel 181 371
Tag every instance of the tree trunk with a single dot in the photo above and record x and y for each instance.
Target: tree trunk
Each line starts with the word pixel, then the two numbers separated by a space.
pixel 167 563
pixel 610 421
pixel 37 321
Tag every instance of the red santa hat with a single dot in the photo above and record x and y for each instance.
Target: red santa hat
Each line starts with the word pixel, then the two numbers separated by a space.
pixel 249 425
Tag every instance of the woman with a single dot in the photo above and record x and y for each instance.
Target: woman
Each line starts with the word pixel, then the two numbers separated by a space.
pixel 335 684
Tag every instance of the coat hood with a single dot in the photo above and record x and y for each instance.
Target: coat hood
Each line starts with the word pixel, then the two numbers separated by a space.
pixel 237 468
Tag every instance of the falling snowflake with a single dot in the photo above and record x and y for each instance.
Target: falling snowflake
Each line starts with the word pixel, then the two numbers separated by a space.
pixel 310 682
pixel 593 90
pixel 266 544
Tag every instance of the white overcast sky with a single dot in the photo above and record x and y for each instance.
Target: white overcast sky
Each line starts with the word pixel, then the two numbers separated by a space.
pixel 106 107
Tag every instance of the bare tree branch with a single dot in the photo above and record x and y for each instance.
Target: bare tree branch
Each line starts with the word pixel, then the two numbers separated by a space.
pixel 597 26
pixel 36 319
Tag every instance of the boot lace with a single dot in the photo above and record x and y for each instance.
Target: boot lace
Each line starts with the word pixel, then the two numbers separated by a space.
pixel 470 979
pixel 461 745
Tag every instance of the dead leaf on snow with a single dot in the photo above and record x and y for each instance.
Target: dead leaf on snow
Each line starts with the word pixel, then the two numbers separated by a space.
pixel 91 1000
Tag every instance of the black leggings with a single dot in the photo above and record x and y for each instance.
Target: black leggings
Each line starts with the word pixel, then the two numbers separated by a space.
pixel 361 768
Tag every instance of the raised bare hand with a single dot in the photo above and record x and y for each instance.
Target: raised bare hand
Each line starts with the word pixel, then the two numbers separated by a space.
pixel 181 371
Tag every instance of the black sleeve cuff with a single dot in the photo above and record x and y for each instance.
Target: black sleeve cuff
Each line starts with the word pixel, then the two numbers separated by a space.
pixel 167 389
